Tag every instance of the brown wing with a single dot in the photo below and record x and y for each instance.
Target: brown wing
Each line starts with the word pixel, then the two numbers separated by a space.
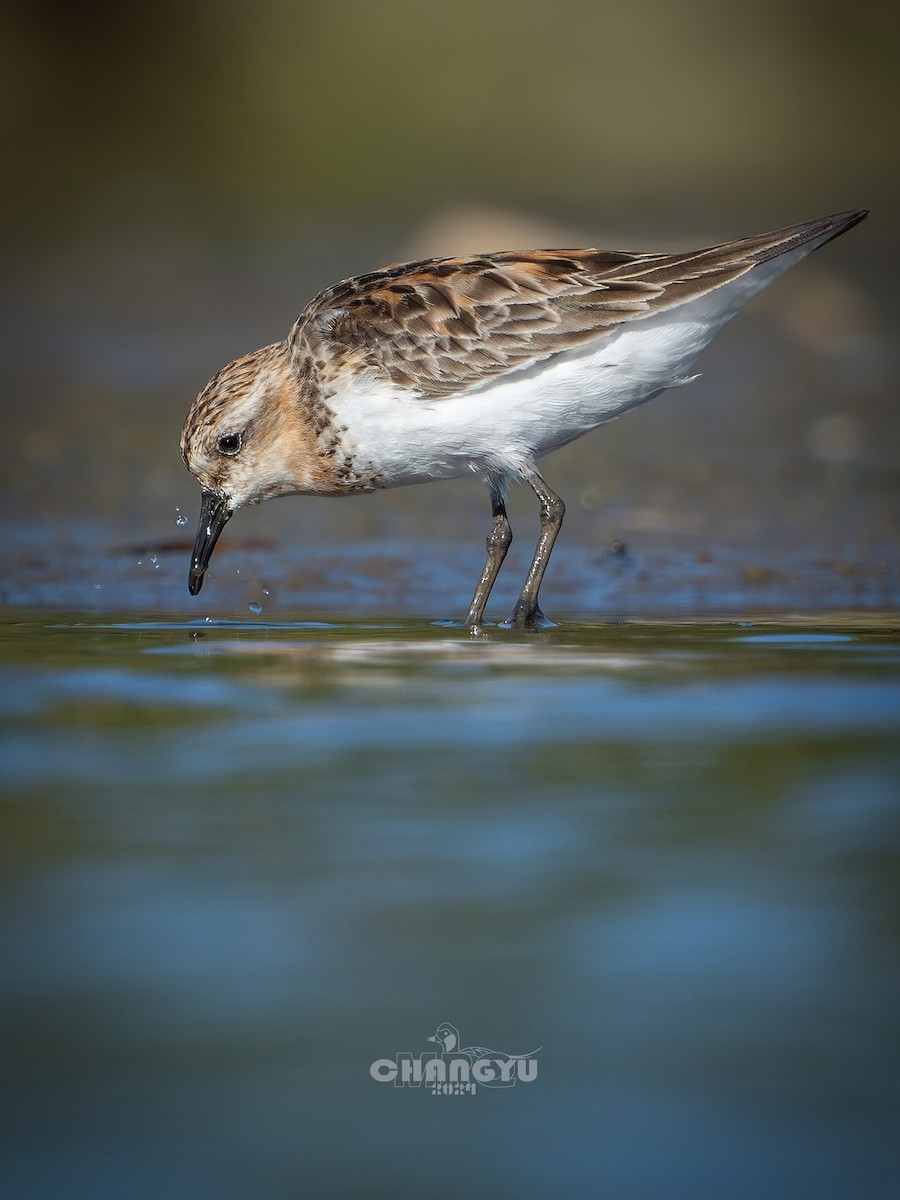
pixel 443 325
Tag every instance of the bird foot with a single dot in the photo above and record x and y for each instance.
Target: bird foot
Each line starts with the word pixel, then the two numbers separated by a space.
pixel 528 620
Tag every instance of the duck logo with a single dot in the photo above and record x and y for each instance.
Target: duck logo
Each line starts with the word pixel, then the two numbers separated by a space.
pixel 454 1069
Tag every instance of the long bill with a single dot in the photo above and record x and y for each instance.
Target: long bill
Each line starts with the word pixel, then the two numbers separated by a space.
pixel 214 516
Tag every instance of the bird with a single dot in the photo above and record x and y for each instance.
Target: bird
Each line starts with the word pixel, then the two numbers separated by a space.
pixel 479 364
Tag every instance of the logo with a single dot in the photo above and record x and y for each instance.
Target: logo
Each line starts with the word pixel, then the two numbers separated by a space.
pixel 455 1070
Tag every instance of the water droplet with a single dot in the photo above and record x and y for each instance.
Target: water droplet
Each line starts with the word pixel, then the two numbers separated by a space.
pixel 255 608
pixel 265 591
pixel 155 560
pixel 181 519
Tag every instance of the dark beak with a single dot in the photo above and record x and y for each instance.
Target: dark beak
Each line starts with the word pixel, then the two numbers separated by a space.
pixel 214 516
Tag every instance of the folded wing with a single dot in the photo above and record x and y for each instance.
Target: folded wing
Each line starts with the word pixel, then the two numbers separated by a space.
pixel 441 326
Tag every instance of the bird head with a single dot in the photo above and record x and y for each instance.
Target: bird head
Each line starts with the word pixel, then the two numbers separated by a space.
pixel 242 443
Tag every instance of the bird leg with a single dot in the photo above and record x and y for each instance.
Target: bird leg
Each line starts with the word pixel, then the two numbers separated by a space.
pixel 527 614
pixel 498 541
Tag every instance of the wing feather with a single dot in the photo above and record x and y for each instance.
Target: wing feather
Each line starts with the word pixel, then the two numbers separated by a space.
pixel 440 326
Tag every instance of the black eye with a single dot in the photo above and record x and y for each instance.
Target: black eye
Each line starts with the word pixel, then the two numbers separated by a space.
pixel 230 443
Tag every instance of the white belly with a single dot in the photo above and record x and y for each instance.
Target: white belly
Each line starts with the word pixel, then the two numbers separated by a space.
pixel 505 424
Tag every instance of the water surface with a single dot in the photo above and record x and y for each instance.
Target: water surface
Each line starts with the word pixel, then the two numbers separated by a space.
pixel 246 859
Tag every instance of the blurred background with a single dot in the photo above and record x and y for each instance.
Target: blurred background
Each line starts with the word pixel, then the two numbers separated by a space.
pixel 184 177
pixel 255 840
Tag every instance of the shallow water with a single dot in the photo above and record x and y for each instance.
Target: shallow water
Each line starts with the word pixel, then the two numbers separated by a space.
pixel 248 859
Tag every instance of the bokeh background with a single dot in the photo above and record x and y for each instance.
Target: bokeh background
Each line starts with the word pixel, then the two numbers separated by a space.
pixel 183 177
pixel 254 840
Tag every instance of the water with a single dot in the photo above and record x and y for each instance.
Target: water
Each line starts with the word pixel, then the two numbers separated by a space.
pixel 259 839
pixel 246 855
pixel 248 858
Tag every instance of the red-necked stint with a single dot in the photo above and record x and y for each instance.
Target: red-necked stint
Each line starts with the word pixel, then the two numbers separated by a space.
pixel 484 364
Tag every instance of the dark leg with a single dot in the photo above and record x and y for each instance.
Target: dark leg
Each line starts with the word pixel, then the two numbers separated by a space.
pixel 498 541
pixel 526 613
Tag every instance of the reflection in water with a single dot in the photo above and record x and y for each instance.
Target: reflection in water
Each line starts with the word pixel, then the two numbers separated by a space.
pixel 248 860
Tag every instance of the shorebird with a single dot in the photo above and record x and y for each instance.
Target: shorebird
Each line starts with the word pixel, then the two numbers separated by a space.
pixel 448 366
